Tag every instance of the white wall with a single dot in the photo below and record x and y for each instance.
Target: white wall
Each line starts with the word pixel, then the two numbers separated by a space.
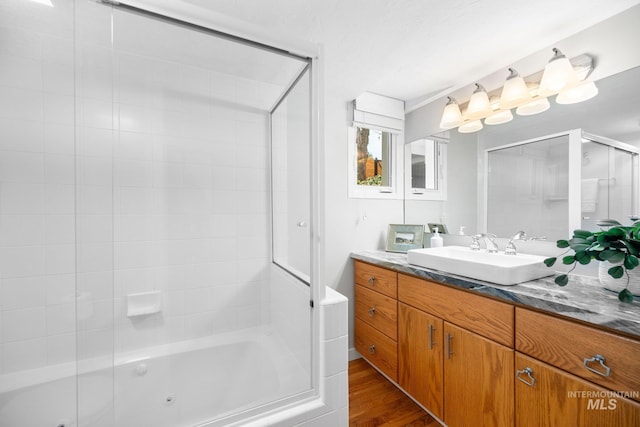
pixel 459 208
pixel 351 224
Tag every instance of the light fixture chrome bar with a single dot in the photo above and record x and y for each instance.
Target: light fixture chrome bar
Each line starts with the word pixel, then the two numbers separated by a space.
pixel 220 34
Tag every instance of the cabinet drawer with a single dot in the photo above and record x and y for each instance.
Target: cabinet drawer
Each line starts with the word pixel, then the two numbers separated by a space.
pixel 377 310
pixel 549 397
pixel 376 278
pixel 484 316
pixel 377 348
pixel 566 345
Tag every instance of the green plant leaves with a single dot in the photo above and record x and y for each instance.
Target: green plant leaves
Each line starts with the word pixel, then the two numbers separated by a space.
pixel 615 243
pixel 625 296
pixel 612 256
pixel 616 272
pixel 583 257
pixel 582 233
pixel 631 262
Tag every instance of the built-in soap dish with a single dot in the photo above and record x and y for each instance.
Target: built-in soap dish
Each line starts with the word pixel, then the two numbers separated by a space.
pixel 144 303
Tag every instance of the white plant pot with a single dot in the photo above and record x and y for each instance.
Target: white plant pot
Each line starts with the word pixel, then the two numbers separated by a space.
pixel 616 285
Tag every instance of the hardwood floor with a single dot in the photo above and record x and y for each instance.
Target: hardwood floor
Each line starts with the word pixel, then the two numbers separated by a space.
pixel 374 401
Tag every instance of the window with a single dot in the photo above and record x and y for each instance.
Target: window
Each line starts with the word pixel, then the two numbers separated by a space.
pixel 374 138
pixel 374 157
pixel 425 162
pixel 372 163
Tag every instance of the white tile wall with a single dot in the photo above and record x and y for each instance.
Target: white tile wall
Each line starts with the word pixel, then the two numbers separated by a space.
pixel 135 174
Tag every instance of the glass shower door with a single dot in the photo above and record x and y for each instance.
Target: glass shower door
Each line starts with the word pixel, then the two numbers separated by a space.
pixel 290 143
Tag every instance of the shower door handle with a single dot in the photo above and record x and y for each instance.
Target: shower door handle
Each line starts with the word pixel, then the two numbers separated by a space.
pixel 302 224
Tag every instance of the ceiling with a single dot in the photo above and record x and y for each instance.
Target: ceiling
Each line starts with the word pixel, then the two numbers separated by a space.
pixel 413 49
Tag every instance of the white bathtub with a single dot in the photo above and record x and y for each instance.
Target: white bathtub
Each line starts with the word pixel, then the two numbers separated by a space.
pixel 183 384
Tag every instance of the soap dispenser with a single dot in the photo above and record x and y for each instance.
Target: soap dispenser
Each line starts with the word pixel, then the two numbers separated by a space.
pixel 436 239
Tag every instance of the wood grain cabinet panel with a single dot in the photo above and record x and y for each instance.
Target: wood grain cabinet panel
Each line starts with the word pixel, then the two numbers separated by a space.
pixel 478 380
pixel 376 278
pixel 377 348
pixel 377 310
pixel 549 397
pixel 566 344
pixel 420 349
pixel 489 318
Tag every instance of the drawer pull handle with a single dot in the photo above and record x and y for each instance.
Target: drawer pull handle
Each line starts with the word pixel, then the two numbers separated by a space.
pixel 372 311
pixel 527 371
pixel 372 349
pixel 371 280
pixel 449 349
pixel 600 359
pixel 431 331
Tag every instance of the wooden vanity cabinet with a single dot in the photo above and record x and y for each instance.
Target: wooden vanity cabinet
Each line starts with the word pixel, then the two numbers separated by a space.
pixel 451 353
pixel 573 374
pixel 420 352
pixel 475 361
pixel 478 380
pixel 609 360
pixel 549 397
pixel 376 320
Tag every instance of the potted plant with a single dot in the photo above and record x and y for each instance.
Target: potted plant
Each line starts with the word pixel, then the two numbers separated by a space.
pixel 617 244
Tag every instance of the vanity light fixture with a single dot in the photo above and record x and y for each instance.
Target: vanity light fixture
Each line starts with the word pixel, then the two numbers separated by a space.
pixel 578 93
pixel 558 74
pixel 561 76
pixel 534 107
pixel 451 116
pixel 470 127
pixel 514 91
pixel 479 105
pixel 499 118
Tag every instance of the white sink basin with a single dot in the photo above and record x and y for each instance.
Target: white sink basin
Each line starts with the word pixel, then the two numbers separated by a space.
pixel 495 268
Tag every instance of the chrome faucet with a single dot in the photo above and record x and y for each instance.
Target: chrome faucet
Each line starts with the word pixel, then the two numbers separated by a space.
pixel 490 244
pixel 510 249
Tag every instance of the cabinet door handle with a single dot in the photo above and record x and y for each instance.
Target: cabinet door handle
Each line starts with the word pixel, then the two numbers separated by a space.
pixel 431 331
pixel 372 349
pixel 371 280
pixel 600 359
pixel 529 373
pixel 449 349
pixel 372 311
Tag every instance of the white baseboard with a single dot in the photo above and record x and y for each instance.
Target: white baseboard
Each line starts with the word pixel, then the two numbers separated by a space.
pixel 353 354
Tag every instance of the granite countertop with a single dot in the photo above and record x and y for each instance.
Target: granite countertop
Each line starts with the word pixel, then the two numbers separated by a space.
pixel 582 299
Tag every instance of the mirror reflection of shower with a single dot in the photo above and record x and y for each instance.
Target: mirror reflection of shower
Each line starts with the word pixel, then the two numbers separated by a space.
pixel 609 181
pixel 530 182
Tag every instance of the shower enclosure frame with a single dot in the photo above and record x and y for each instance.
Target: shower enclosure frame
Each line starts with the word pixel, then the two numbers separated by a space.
pixel 308 404
pixel 136 221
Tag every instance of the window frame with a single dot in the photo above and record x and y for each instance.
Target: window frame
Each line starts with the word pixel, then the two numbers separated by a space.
pixel 440 160
pixel 393 191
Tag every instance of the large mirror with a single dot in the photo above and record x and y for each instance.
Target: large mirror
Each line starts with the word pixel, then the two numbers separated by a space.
pixel 614 114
